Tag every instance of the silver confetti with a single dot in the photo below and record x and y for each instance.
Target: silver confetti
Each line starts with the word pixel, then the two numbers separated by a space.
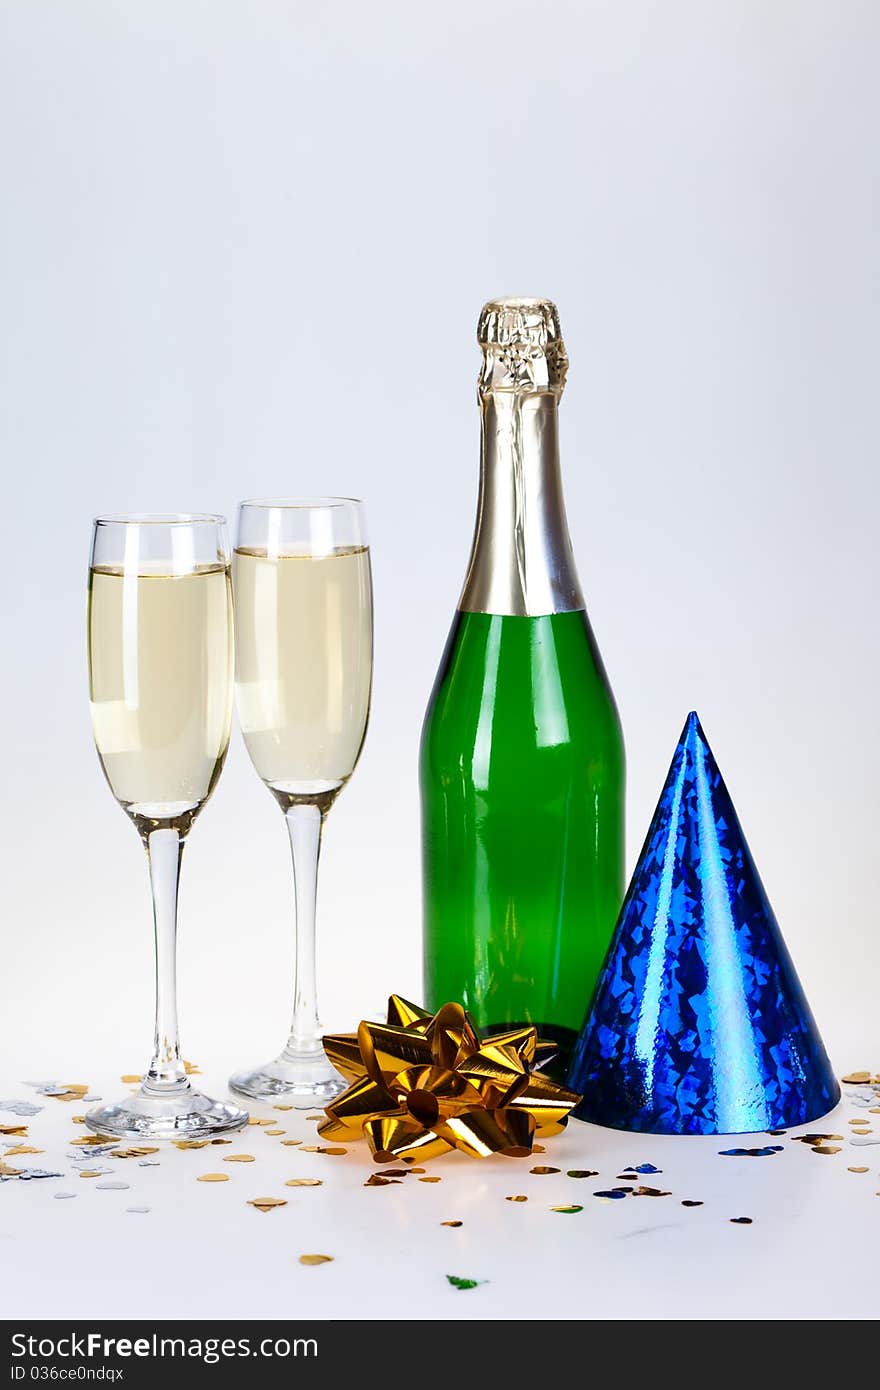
pixel 112 1186
pixel 64 1196
pixel 148 1163
pixel 37 1173
pixel 141 1211
pixel 863 1141
pixel 20 1107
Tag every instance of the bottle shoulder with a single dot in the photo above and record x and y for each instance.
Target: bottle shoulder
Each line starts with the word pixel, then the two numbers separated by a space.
pixel 522 683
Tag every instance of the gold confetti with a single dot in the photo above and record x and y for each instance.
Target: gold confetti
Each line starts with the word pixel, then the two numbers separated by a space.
pixel 543 1171
pixel 815 1138
pixel 136 1151
pixel 825 1149
pixel 420 1179
pixel 315 1259
pixel 213 1177
pixel 282 1107
pixel 192 1069
pixel 538 1149
pixel 77 1119
pixel 290 1143
pixel 252 1120
pixel 650 1192
pixel 21 1149
pixel 274 1131
pixel 13 1129
pixel 303 1182
pixel 518 1198
pixel 862 1131
pixel 7 1171
pixel 316 1117
pixel 376 1180
pixel 73 1091
pixel 90 1172
pixel 221 1141
pixel 267 1203
pixel 93 1139
pixel 395 1172
pixel 858 1170
pixel 319 1149
pixel 416 1170
pixel 451 1223
pixel 131 1080
pixel 856 1078
pixel 191 1143
pixel 238 1158
pixel 581 1173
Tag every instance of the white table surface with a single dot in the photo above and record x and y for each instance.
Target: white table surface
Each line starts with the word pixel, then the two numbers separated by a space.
pixel 201 1251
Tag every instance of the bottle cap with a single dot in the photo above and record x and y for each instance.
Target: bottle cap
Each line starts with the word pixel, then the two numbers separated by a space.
pixel 522 346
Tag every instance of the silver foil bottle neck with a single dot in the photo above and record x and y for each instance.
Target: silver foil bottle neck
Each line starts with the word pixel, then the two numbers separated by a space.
pixel 521 560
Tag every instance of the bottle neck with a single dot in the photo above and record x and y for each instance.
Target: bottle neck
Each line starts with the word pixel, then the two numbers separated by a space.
pixel 521 561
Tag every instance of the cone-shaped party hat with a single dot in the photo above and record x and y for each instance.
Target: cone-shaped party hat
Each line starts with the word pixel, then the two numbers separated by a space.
pixel 698 1023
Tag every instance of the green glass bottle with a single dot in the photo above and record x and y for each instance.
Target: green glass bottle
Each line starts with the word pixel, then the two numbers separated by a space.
pixel 522 762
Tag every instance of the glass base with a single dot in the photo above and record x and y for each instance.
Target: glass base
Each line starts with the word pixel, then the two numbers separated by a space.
pixel 306 1081
pixel 185 1114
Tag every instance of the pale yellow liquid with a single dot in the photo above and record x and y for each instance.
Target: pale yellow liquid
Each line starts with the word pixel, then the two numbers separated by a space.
pixel 303 665
pixel 160 672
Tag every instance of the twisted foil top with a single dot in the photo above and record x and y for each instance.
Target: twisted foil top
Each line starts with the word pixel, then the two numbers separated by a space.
pixel 423 1084
pixel 522 346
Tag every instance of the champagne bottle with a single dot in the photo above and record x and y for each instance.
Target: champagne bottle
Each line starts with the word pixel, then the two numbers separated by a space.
pixel 522 760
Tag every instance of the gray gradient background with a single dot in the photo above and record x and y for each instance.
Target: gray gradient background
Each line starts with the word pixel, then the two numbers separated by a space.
pixel 244 246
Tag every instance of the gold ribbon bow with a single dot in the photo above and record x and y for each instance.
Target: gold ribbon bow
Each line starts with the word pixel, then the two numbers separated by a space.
pixel 422 1084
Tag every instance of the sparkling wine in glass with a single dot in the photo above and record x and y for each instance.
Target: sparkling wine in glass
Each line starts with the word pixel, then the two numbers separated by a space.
pixel 160 685
pixel 303 672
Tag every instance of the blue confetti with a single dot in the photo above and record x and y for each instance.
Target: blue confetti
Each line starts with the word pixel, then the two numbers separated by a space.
pixel 767 1150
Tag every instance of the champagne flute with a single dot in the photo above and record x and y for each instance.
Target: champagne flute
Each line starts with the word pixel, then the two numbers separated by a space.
pixel 303 672
pixel 160 685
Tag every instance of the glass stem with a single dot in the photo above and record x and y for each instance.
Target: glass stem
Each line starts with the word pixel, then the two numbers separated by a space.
pixel 164 853
pixel 305 822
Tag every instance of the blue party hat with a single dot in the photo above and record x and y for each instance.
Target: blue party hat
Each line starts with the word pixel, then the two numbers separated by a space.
pixel 698 1023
